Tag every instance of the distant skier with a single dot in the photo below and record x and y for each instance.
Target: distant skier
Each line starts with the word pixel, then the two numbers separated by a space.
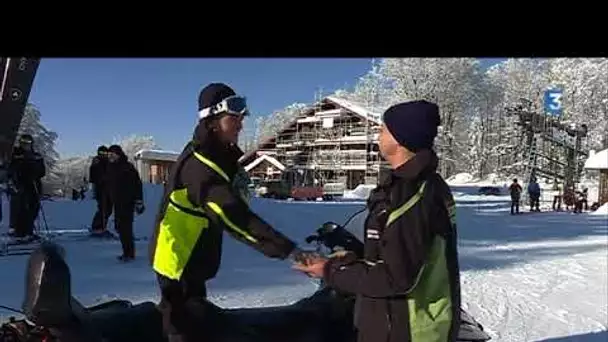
pixel 126 193
pixel 98 177
pixel 25 173
pixel 515 190
pixel 534 195
pixel 581 201
pixel 75 194
pixel 557 196
pixel 585 195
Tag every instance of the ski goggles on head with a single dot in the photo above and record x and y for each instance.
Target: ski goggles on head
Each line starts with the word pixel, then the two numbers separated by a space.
pixel 234 105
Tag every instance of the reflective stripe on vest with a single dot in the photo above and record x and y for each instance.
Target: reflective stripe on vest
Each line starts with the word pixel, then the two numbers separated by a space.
pixel 182 225
pixel 395 214
pixel 429 299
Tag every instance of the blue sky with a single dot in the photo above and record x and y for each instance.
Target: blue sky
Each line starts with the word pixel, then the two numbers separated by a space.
pixel 92 101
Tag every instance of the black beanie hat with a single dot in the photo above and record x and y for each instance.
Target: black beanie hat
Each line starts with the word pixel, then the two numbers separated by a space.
pixel 213 94
pixel 116 149
pixel 413 124
pixel 102 148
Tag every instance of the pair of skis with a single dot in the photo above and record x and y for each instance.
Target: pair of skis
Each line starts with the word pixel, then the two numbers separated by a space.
pixel 11 246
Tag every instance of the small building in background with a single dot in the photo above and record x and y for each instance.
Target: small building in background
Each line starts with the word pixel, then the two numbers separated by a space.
pixel 154 165
pixel 265 167
pixel 599 162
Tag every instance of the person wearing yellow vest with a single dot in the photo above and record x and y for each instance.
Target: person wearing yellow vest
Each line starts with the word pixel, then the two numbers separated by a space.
pixel 200 202
pixel 407 285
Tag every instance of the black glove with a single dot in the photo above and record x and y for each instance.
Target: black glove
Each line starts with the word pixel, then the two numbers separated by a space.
pixel 139 207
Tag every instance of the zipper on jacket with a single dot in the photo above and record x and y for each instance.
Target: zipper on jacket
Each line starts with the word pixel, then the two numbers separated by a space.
pixel 389 320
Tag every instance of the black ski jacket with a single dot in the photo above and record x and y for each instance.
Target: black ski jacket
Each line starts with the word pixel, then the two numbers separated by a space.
pixel 98 174
pixel 410 257
pixel 203 186
pixel 26 171
pixel 123 184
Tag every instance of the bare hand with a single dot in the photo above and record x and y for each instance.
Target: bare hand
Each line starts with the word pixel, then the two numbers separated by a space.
pixel 314 268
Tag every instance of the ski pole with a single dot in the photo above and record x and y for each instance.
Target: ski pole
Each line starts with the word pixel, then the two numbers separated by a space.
pixel 46 226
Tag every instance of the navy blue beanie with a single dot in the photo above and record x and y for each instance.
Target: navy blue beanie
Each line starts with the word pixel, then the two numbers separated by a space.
pixel 413 124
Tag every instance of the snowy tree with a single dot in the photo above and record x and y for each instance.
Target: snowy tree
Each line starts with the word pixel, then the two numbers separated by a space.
pixel 585 100
pixel 374 90
pixel 44 139
pixel 270 125
pixel 135 143
pixel 449 82
pixel 521 82
pixel 70 173
pixel 483 128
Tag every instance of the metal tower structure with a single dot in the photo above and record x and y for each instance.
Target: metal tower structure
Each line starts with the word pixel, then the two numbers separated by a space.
pixel 552 148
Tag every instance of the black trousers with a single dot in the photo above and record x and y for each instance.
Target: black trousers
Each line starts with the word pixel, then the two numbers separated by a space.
pixel 13 210
pixel 103 213
pixel 186 311
pixel 24 208
pixel 123 223
pixel 557 202
pixel 535 202
pixel 514 205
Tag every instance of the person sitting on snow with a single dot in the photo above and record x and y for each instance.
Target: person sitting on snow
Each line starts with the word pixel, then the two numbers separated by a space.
pixel 534 194
pixel 411 261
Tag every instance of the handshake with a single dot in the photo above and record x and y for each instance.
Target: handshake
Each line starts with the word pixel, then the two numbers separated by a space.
pixel 309 262
pixel 312 263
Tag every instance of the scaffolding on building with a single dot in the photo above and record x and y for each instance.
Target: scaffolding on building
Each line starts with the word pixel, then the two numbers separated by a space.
pixel 328 145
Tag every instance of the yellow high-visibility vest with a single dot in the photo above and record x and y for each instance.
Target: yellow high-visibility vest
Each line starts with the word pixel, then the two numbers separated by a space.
pixel 182 226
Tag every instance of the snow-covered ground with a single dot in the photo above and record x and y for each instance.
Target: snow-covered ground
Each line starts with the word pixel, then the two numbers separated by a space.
pixel 533 277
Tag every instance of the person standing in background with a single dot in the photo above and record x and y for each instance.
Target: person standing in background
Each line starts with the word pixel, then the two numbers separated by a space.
pixel 25 183
pixel 534 194
pixel 515 191
pixel 97 177
pixel 126 193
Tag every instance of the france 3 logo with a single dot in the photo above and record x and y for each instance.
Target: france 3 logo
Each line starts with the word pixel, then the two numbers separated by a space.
pixel 553 101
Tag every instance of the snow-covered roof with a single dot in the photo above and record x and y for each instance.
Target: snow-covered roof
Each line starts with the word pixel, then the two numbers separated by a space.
pixel 157 155
pixel 268 158
pixel 349 105
pixel 357 109
pixel 597 161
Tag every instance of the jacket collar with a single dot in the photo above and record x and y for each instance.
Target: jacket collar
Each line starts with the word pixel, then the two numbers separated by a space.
pixel 422 164
pixel 226 156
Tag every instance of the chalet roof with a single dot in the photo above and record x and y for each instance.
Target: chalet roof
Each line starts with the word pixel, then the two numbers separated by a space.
pixel 269 159
pixel 597 161
pixel 146 154
pixel 357 109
